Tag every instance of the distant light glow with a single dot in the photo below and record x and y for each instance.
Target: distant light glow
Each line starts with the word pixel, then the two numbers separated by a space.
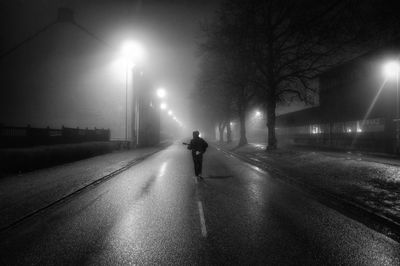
pixel 349 130
pixel 315 129
pixel 163 106
pixel 258 113
pixel 231 123
pixel 161 93
pixel 391 69
pixel 169 112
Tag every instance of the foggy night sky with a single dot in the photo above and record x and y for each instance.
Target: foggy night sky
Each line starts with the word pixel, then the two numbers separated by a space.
pixel 64 77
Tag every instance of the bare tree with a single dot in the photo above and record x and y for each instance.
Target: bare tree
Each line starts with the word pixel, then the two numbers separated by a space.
pixel 285 44
pixel 213 97
pixel 228 47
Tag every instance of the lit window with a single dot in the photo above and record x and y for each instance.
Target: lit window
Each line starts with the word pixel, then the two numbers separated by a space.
pixel 315 129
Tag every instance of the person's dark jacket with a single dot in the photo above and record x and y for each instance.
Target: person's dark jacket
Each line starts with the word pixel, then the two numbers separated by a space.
pixel 198 144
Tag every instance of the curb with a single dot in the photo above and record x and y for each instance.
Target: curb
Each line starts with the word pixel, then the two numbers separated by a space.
pixel 334 199
pixel 84 188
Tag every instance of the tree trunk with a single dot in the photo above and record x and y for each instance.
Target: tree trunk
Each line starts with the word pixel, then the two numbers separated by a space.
pixel 272 141
pixel 221 128
pixel 242 118
pixel 228 132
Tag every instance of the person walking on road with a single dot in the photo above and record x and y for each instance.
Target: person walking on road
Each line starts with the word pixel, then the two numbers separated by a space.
pixel 198 146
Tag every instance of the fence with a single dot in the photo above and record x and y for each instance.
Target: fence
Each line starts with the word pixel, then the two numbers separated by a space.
pixel 29 136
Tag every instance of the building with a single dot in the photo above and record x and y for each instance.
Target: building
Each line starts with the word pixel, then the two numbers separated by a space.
pixel 357 108
pixel 145 113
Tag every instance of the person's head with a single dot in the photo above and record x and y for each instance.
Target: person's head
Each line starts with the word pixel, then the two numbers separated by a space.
pixel 196 134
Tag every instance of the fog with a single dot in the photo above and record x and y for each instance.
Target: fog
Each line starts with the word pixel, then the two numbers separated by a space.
pixel 65 77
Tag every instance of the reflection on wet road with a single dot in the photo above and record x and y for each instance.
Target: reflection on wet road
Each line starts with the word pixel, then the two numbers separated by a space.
pixel 158 213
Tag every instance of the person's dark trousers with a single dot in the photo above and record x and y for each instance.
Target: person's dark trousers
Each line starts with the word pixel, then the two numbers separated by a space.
pixel 198 162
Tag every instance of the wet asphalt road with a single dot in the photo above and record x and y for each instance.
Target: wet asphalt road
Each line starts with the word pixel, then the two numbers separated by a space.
pixel 157 213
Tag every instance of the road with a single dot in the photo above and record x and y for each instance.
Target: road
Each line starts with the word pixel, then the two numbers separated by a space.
pixel 158 213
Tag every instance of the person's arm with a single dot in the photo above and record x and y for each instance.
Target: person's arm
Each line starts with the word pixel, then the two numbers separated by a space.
pixel 190 146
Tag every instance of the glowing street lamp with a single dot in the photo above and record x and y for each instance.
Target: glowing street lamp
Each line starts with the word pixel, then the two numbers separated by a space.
pixel 163 106
pixel 258 113
pixel 133 50
pixel 391 70
pixel 169 112
pixel 161 93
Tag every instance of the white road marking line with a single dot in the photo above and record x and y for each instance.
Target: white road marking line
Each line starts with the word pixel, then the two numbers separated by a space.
pixel 202 220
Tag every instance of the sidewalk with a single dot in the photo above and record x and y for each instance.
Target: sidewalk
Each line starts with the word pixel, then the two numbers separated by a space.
pixel 384 158
pixel 23 194
pixel 372 182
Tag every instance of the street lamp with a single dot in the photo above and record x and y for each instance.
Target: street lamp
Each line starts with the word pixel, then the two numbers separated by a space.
pixel 163 106
pixel 169 112
pixel 391 71
pixel 161 93
pixel 133 50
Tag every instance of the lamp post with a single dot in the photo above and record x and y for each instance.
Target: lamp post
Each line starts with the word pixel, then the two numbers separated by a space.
pixel 131 52
pixel 397 112
pixel 126 102
pixel 123 65
pixel 391 71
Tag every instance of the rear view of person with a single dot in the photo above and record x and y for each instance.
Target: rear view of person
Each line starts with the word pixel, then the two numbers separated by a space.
pixel 198 146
